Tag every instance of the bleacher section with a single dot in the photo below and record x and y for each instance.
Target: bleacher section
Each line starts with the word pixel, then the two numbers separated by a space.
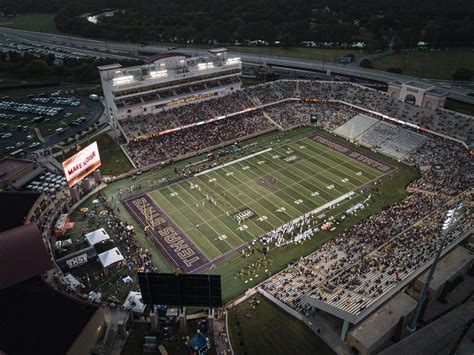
pixel 376 135
pixel 356 126
pixel 393 264
pixel 387 138
pixel 402 144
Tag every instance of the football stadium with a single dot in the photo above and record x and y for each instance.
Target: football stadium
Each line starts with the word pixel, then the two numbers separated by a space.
pixel 320 206
pixel 270 195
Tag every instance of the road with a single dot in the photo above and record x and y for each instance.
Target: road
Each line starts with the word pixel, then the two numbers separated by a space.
pixel 120 48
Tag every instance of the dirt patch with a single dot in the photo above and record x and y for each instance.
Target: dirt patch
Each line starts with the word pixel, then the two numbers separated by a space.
pixel 268 182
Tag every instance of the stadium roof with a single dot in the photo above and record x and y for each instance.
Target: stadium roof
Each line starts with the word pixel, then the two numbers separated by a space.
pixel 23 255
pixel 156 57
pixel 436 335
pixel 217 50
pixel 369 332
pixel 448 267
pixel 36 318
pixel 9 167
pixel 14 208
pixel 109 66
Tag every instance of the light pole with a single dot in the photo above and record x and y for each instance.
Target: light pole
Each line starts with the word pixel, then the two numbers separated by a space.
pixel 448 223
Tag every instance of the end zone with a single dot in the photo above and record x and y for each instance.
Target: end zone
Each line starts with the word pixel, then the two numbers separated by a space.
pixel 166 236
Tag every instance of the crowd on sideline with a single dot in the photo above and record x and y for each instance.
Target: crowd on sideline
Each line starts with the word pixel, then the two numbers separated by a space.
pixel 283 115
pixel 196 139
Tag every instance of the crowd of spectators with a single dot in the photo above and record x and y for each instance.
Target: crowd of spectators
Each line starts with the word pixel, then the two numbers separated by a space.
pixel 356 288
pixel 193 140
pixel 336 264
pixel 290 114
pixel 442 121
pixel 447 168
pixel 354 269
pixel 286 115
pixel 153 123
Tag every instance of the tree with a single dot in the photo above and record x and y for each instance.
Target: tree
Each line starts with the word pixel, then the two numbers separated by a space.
pixel 50 58
pixel 462 74
pixel 366 63
pixel 37 68
pixel 288 40
pixel 85 72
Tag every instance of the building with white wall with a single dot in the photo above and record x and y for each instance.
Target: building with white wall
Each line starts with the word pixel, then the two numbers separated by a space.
pixel 168 80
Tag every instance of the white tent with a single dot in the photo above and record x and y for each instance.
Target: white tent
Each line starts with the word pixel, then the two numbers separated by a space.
pixel 134 302
pixel 110 257
pixel 97 236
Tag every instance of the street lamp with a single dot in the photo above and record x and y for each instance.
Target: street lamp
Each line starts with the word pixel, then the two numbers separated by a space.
pixel 448 223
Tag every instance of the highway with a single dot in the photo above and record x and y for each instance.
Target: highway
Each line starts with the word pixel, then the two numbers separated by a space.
pixel 132 49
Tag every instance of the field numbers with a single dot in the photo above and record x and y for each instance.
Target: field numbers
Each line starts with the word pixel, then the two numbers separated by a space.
pixel 359 173
pixel 173 194
pixel 315 193
pixel 275 156
pixel 281 209
pixel 330 187
pixel 261 162
pixel 298 201
pixel 242 227
pixel 262 218
pixel 246 167
pixel 230 173
pixel 223 237
pixel 212 180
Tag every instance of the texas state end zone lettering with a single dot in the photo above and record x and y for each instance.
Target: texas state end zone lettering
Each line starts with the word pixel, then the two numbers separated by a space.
pixel 354 154
pixel 167 237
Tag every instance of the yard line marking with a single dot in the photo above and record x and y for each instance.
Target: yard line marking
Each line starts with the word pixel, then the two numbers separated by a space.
pixel 271 193
pixel 239 207
pixel 233 162
pixel 181 213
pixel 225 225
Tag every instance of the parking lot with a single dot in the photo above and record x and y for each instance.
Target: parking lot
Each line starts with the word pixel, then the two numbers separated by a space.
pixel 53 114
pixel 47 182
pixel 38 50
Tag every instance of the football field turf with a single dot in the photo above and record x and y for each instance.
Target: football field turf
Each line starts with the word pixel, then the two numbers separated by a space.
pixel 264 191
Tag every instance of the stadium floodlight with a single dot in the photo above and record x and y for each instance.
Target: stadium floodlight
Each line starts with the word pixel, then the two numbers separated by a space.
pixel 122 80
pixel 208 65
pixel 159 74
pixel 449 221
pixel 232 61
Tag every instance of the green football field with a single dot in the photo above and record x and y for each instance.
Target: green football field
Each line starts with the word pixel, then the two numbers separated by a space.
pixel 264 191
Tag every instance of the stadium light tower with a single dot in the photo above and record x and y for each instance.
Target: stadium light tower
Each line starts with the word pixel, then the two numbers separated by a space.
pixel 449 222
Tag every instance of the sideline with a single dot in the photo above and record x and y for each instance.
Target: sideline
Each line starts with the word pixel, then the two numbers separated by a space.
pixel 233 162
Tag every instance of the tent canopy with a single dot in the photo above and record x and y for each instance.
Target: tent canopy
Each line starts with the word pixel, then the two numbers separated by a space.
pixel 134 302
pixel 97 236
pixel 110 257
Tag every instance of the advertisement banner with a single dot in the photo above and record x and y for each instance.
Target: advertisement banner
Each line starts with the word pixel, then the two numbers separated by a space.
pixel 81 164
